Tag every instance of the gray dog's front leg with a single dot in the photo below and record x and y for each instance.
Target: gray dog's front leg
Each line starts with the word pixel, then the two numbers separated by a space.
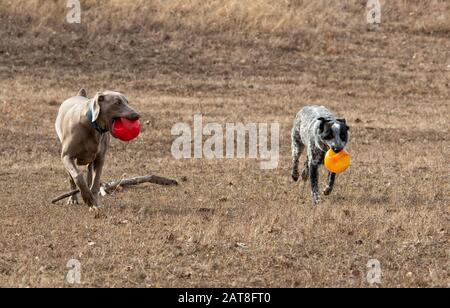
pixel 330 183
pixel 89 177
pixel 80 181
pixel 74 198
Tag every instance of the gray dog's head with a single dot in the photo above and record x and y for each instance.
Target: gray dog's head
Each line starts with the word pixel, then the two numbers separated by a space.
pixel 334 133
pixel 108 106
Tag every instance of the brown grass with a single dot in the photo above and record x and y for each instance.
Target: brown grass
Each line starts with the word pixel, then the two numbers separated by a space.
pixel 258 62
pixel 215 16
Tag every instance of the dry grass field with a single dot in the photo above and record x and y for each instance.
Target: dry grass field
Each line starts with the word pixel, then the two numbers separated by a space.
pixel 229 223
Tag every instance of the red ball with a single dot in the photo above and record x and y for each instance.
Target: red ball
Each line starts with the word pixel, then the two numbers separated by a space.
pixel 126 130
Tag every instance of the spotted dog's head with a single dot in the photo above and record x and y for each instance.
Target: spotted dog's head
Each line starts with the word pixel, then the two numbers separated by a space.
pixel 333 133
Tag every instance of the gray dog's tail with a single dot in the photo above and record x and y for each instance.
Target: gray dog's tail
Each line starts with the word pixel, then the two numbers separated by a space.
pixel 82 92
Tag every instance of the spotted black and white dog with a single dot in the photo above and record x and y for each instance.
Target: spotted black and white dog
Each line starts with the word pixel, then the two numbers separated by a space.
pixel 319 130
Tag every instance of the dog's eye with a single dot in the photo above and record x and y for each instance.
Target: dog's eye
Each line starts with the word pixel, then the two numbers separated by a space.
pixel 329 135
pixel 343 135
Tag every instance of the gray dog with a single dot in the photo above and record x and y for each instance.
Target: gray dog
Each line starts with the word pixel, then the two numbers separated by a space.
pixel 83 127
pixel 319 130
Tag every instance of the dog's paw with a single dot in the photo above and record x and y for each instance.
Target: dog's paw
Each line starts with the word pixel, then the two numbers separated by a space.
pixel 98 212
pixel 327 191
pixel 73 200
pixel 295 176
pixel 89 199
pixel 316 198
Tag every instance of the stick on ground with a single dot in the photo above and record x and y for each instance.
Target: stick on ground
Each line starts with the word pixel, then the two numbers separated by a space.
pixel 111 186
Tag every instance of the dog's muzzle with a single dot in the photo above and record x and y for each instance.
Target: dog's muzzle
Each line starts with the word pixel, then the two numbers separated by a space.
pixel 337 149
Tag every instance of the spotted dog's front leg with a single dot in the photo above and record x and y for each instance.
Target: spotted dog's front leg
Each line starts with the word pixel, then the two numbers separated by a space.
pixel 297 149
pixel 330 183
pixel 314 179
pixel 316 157
pixel 294 168
pixel 305 171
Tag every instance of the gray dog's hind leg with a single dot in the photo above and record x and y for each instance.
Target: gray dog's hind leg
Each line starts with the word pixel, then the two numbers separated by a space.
pixel 297 149
pixel 330 183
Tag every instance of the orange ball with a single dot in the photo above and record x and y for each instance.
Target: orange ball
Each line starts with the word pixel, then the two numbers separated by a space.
pixel 337 162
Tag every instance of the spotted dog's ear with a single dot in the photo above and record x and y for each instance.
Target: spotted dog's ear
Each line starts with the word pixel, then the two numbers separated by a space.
pixel 322 123
pixel 342 120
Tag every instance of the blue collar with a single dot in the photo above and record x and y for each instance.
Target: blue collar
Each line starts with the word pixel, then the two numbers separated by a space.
pixel 94 124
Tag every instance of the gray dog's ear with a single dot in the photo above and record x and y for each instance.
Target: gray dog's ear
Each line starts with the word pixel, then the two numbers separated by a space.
pixel 95 105
pixel 82 92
